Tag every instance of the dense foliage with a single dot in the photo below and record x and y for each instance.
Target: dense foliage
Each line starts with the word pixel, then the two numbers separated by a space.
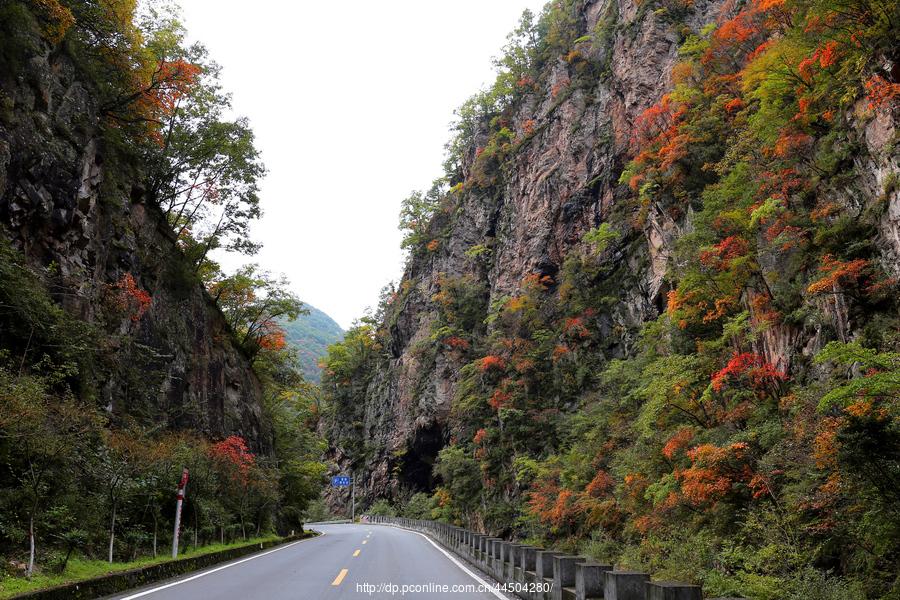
pixel 701 446
pixel 83 479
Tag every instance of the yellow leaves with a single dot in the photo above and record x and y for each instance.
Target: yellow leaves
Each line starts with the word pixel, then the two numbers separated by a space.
pixel 516 304
pixel 772 65
pixel 59 19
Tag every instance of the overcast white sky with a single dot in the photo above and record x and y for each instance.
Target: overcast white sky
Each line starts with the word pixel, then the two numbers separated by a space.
pixel 351 103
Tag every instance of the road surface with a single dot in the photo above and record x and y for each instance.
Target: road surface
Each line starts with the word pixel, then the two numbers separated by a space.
pixel 348 561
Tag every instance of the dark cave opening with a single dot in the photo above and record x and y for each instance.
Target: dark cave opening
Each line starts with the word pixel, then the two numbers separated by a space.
pixel 421 451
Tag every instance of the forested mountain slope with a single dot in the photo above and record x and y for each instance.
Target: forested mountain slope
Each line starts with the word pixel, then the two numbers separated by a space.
pixel 651 310
pixel 311 334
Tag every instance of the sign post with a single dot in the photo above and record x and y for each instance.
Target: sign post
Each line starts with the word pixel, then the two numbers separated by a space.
pixel 347 481
pixel 182 485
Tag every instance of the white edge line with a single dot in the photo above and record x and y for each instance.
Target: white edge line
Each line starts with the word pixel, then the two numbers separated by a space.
pixel 211 571
pixel 471 574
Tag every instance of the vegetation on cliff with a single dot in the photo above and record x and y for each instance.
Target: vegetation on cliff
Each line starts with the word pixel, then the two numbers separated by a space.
pixel 81 478
pixel 705 444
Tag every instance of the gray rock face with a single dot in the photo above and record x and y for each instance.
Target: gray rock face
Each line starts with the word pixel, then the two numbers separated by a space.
pixel 65 204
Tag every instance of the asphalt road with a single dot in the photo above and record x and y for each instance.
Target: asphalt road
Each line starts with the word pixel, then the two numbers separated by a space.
pixel 348 561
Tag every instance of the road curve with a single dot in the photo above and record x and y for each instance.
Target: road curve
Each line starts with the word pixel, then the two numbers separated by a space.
pixel 348 561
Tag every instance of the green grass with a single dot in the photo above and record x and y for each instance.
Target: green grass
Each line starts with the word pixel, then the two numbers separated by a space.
pixel 80 568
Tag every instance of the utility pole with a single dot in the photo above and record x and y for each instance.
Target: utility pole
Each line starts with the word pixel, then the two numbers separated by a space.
pixel 182 486
pixel 353 498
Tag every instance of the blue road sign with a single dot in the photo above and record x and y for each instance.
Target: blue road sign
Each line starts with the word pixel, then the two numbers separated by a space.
pixel 340 481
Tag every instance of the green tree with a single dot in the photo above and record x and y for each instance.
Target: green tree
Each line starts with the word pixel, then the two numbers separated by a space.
pixel 253 301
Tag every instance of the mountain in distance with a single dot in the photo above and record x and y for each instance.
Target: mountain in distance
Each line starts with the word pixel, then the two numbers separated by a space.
pixel 311 334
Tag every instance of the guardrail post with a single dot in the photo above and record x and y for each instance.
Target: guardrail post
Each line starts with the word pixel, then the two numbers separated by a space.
pixel 589 580
pixel 527 556
pixel 512 559
pixel 496 556
pixel 543 572
pixel 564 573
pixel 666 590
pixel 488 553
pixel 625 585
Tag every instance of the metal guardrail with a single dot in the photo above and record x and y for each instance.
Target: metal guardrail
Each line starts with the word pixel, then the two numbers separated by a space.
pixel 534 573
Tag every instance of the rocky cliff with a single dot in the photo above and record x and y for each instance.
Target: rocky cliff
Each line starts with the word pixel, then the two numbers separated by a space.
pixel 504 227
pixel 72 201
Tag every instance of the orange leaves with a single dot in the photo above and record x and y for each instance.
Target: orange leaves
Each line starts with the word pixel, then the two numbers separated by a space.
pixel 491 362
pixel 516 304
pixel 524 82
pixel 749 367
pixel 480 436
pixel 59 19
pixel 168 84
pixel 765 5
pixel 129 297
pixel 713 472
pixel 737 30
pixel 433 245
pixel 880 91
pixel 822 58
pixel 837 273
pixel 273 340
pixel 654 121
pixel 559 506
pixel 542 498
pixel 559 86
pixel 678 442
pixel 682 72
pixel 537 282
pixel 456 343
pixel 791 143
pixel 175 79
pixel 574 327
pixel 734 105
pixel 722 254
pixel 828 54
pixel 600 485
pixel 500 399
pixel 702 485
pixel 233 453
pixel 528 126
pixel 559 352
pixel 158 98
pixel 825 445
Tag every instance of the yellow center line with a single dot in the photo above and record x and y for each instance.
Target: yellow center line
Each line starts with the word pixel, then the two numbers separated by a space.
pixel 356 553
pixel 340 577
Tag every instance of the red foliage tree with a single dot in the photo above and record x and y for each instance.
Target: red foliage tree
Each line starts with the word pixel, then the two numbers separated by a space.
pixel 232 452
pixel 750 367
pixel 491 362
pixel 129 297
pixel 837 273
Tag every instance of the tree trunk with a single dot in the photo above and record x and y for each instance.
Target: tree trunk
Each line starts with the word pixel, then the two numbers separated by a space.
pixel 196 524
pixel 112 532
pixel 66 559
pixel 155 524
pixel 31 546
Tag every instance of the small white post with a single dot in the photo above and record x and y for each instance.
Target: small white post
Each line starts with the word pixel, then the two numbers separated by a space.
pixel 182 486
